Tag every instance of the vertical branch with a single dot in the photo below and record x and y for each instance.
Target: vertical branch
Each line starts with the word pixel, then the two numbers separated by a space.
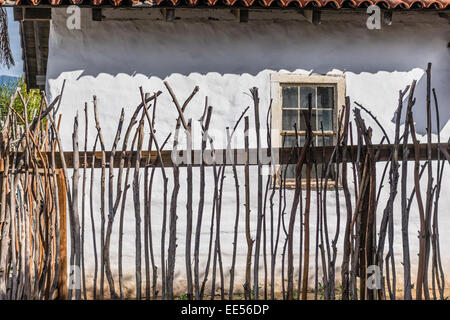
pixel 122 215
pixel 91 207
pixel 189 211
pixel 201 200
pixel 298 185
pixel 75 218
pixel 176 188
pixel 254 93
pixel 436 245
pixel 112 210
pixel 247 215
pixel 345 271
pixel 102 202
pixel 83 201
pixel 137 207
pixel 405 215
pixel 236 220
pixel 422 247
pixel 429 200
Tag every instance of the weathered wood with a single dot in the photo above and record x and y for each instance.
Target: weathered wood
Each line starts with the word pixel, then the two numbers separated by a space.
pixel 36 14
pixel 97 14
pixel 236 221
pixel 112 210
pixel 247 216
pixel 205 128
pixel 407 287
pixel 102 200
pixel 62 274
pixel 254 93
pixel 323 155
pixel 37 45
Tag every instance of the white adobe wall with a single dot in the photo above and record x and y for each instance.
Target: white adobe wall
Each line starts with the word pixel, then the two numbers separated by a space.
pixel 112 58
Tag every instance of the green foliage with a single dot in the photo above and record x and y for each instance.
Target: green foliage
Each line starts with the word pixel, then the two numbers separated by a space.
pixel 252 293
pixel 33 96
pixel 182 297
pixel 339 292
pixel 321 291
pixel 239 295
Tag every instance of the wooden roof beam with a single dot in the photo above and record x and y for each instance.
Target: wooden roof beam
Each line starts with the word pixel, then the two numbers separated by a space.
pixel 313 16
pixel 32 14
pixel 240 14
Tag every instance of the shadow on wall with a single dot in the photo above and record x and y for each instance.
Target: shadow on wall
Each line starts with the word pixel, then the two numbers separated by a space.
pixel 160 49
pixel 441 87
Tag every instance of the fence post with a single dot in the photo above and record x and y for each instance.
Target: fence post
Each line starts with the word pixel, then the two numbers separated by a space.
pixel 62 274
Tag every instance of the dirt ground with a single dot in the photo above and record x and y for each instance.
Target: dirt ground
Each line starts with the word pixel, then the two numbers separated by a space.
pixel 130 294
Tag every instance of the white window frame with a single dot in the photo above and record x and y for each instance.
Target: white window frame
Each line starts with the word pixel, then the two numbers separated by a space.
pixel 277 81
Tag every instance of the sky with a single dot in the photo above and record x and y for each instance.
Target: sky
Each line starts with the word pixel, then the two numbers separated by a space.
pixel 14 41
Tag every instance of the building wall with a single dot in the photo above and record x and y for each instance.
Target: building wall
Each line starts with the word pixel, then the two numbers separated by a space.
pixel 209 48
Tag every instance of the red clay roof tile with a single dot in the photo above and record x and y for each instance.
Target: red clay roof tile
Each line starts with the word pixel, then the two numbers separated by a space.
pixel 387 4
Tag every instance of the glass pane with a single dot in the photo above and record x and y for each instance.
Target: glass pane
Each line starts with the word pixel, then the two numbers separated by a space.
pixel 320 171
pixel 290 117
pixel 290 171
pixel 312 174
pixel 302 140
pixel 326 116
pixel 304 97
pixel 290 97
pixel 328 140
pixel 289 141
pixel 325 97
pixel 313 120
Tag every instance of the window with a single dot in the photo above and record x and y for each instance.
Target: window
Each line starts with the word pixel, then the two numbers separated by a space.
pixel 292 95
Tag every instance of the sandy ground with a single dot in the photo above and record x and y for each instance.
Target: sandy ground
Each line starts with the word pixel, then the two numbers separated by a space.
pixel 130 293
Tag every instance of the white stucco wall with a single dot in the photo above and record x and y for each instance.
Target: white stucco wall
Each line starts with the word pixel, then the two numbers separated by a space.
pixel 112 58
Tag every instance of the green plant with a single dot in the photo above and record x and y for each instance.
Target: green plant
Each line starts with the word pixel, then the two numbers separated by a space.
pixel 252 293
pixel 321 291
pixel 182 297
pixel 339 292
pixel 32 97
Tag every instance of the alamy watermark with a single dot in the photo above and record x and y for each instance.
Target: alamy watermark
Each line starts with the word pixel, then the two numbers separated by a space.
pixel 73 20
pixel 374 277
pixel 374 19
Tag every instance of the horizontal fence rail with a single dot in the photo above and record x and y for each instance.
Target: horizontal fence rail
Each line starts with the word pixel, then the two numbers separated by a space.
pixel 283 156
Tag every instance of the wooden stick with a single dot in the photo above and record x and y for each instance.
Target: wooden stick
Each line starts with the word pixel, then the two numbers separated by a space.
pixel 75 219
pixel 405 218
pixel 62 278
pixel 201 200
pixel 83 202
pixel 247 215
pixel 254 93
pixel 112 211
pixel 91 207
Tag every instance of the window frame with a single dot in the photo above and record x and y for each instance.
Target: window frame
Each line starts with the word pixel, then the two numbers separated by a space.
pixel 279 80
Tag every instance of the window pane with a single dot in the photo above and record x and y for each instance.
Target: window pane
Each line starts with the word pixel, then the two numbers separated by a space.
pixel 290 171
pixel 328 140
pixel 312 174
pixel 302 140
pixel 313 120
pixel 304 93
pixel 326 116
pixel 289 141
pixel 290 97
pixel 290 117
pixel 325 97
